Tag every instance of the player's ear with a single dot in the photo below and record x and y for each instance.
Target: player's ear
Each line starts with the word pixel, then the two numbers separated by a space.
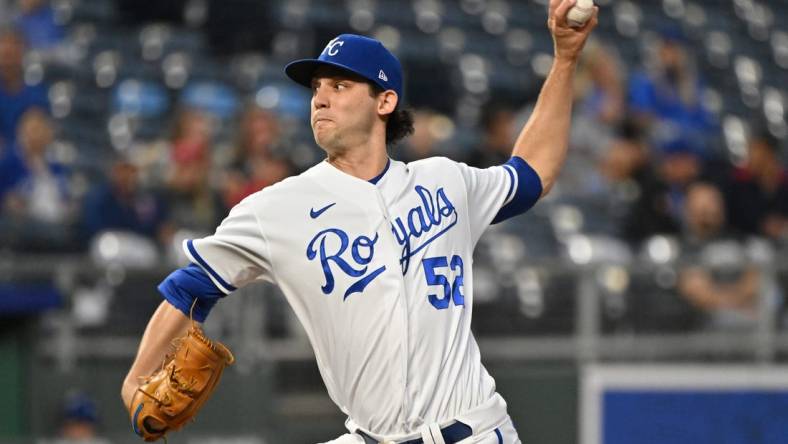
pixel 387 102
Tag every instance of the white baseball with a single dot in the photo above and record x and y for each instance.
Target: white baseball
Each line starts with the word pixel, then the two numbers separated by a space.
pixel 580 13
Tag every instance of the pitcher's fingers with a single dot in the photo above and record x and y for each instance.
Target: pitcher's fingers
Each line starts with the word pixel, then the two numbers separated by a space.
pixel 562 11
pixel 551 7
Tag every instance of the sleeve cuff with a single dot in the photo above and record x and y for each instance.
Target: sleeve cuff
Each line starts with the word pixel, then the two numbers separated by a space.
pixel 191 291
pixel 525 188
pixel 194 256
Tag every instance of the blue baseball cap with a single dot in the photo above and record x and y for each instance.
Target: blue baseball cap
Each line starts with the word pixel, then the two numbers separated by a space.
pixel 673 34
pixel 360 55
pixel 80 407
pixel 682 146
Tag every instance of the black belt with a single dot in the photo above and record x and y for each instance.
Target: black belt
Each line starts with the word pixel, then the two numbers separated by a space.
pixel 451 434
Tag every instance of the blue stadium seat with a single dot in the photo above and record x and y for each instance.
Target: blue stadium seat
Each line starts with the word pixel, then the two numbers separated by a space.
pixel 142 98
pixel 288 99
pixel 213 97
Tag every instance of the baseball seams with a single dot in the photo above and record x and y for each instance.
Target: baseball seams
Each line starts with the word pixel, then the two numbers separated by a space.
pixel 580 13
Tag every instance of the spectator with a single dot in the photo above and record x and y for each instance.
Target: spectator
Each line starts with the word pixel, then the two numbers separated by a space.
pixel 627 156
pixel 431 131
pixel 155 160
pixel 667 98
pixel 499 132
pixel 36 20
pixel 607 186
pixel 703 220
pixel 256 163
pixel 262 172
pixel 34 191
pixel 122 204
pixel 15 96
pixel 622 171
pixel 716 279
pixel 660 203
pixel 192 202
pixel 80 421
pixel 259 136
pixel 600 96
pixel 757 193
pixel 600 85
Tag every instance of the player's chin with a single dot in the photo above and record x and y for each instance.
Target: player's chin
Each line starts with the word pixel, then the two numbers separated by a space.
pixel 321 125
pixel 323 137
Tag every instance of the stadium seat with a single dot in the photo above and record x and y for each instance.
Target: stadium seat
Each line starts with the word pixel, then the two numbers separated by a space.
pixel 141 98
pixel 213 97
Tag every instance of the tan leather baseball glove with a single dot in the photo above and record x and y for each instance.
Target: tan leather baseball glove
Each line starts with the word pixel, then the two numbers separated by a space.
pixel 174 394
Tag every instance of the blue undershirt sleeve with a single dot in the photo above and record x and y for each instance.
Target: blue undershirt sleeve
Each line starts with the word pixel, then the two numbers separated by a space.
pixel 185 285
pixel 527 188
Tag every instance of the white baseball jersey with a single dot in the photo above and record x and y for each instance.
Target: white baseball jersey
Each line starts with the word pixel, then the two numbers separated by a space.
pixel 381 277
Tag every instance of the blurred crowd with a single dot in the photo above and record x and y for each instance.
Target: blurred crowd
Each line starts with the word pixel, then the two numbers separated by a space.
pixel 174 183
pixel 660 142
pixel 644 144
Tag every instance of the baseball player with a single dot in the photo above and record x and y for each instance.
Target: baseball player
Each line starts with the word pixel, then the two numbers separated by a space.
pixel 374 255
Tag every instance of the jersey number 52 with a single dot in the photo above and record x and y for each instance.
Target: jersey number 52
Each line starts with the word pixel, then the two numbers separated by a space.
pixel 436 275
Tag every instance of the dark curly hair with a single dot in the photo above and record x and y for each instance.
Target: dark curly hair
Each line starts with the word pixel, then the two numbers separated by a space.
pixel 400 122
